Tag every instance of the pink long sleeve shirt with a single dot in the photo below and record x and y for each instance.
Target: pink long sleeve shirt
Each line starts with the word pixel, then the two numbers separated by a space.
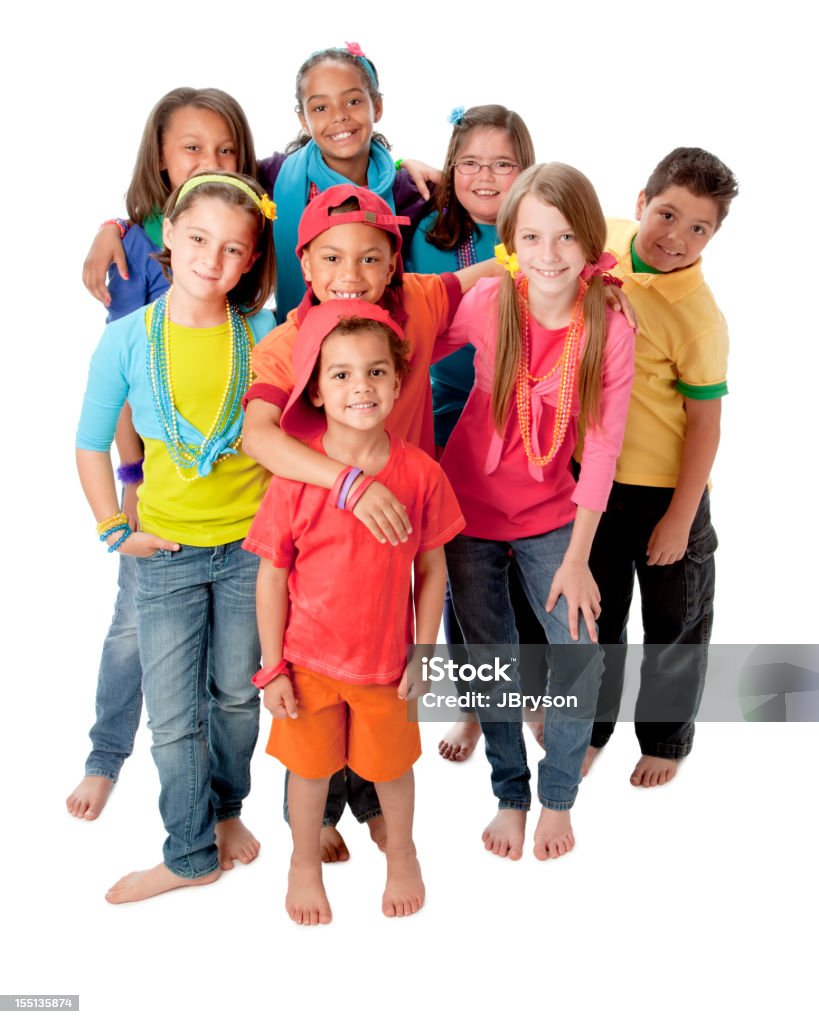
pixel 502 495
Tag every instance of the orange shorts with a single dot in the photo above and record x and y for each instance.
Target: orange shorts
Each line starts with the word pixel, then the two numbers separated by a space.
pixel 365 727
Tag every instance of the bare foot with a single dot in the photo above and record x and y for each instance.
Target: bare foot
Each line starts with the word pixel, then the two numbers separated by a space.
pixel 537 727
pixel 460 740
pixel 504 834
pixel 378 831
pixel 306 900
pixel 333 847
pixel 553 835
pixel 653 771
pixel 588 760
pixel 89 798
pixel 141 885
pixel 235 842
pixel 404 892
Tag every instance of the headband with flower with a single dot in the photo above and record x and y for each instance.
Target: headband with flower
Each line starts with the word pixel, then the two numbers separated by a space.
pixel 265 204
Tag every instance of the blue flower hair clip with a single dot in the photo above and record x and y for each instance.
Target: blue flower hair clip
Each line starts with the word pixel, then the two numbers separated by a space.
pixel 457 115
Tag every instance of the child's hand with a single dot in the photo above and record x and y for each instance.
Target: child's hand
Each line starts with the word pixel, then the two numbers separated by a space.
pixel 105 250
pixel 142 545
pixel 412 684
pixel 129 505
pixel 421 173
pixel 279 698
pixel 616 300
pixel 668 541
pixel 575 582
pixel 383 514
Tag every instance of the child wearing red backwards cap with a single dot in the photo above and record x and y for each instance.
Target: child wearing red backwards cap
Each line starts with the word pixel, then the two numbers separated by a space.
pixel 349 245
pixel 336 677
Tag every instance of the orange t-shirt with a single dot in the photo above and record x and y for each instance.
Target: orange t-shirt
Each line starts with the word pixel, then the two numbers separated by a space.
pixel 429 302
pixel 351 612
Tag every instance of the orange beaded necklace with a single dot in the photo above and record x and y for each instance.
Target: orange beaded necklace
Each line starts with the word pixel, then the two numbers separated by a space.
pixel 566 365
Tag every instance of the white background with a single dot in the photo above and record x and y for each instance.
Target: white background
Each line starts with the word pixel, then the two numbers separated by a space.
pixel 699 898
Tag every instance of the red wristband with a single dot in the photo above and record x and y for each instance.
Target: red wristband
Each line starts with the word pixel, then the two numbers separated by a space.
pixel 352 499
pixel 267 675
pixel 118 222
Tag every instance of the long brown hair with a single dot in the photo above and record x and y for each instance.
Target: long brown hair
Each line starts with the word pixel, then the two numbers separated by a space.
pixel 570 192
pixel 150 186
pixel 255 287
pixel 452 223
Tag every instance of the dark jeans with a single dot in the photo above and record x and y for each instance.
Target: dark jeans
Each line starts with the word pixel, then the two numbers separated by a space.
pixel 345 788
pixel 677 605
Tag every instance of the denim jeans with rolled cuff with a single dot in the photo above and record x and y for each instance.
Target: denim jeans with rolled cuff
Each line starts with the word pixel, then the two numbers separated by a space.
pixel 479 578
pixel 119 683
pixel 677 608
pixel 199 647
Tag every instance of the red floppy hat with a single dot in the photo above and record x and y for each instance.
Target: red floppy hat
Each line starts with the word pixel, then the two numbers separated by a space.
pixel 301 418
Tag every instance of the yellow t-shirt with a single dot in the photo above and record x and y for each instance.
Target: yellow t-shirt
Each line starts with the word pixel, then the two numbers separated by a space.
pixel 209 510
pixel 681 352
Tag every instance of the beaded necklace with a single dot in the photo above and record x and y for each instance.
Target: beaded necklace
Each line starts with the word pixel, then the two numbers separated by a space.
pixel 466 254
pixel 566 365
pixel 186 457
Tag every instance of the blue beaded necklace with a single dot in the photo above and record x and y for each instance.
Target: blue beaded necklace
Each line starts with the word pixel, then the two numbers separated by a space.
pixel 223 437
pixel 466 253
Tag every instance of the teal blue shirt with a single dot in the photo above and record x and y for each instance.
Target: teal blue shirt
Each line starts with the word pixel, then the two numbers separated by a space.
pixel 453 377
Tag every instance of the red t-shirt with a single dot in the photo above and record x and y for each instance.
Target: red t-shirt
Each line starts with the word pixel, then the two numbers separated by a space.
pixel 430 302
pixel 351 613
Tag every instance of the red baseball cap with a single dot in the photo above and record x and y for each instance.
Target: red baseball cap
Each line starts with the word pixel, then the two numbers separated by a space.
pixel 372 210
pixel 300 417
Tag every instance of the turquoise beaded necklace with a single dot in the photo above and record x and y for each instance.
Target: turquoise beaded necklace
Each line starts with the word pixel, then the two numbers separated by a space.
pixel 224 435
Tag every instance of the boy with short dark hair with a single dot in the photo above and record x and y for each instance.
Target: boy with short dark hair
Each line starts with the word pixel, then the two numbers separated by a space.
pixel 658 522
pixel 335 607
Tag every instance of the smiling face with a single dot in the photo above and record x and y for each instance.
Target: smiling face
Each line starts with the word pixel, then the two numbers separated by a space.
pixel 349 261
pixel 212 244
pixel 338 113
pixel 481 194
pixel 675 226
pixel 196 140
pixel 549 254
pixel 357 384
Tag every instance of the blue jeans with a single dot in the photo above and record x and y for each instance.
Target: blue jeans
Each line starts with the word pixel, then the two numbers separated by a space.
pixel 478 576
pixel 345 788
pixel 196 609
pixel 678 611
pixel 119 684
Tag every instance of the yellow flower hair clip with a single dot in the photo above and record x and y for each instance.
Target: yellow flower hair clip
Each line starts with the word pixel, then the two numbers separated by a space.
pixel 507 261
pixel 268 207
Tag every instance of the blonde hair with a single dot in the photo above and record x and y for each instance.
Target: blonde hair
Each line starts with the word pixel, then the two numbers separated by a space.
pixel 570 192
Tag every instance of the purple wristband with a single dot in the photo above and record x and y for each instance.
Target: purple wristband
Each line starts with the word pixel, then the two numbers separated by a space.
pixel 130 472
pixel 349 480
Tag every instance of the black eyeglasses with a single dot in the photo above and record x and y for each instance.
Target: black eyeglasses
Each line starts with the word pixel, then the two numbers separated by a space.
pixel 471 167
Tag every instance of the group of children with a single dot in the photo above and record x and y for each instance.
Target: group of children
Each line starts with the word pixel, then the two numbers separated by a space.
pixel 529 489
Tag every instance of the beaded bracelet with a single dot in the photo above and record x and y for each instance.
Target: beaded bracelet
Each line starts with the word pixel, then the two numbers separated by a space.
pixel 611 280
pixel 117 520
pixel 130 472
pixel 126 533
pixel 123 226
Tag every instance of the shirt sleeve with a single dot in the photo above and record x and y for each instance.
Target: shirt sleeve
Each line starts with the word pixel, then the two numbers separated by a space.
pixel 272 363
pixel 105 392
pixel 475 307
pixel 270 535
pixel 145 282
pixel 442 518
pixel 604 439
pixel 702 363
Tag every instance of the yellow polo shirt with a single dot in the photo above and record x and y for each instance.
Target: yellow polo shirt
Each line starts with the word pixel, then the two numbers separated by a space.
pixel 681 352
